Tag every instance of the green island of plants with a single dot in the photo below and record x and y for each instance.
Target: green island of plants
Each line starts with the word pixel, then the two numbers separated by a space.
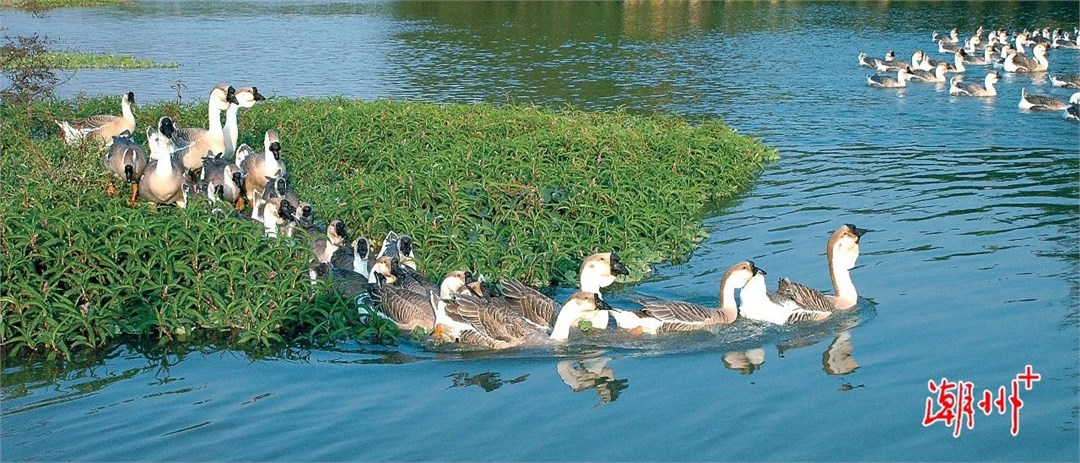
pixel 38 5
pixel 505 190
pixel 80 60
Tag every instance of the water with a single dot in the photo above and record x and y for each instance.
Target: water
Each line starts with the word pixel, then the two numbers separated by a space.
pixel 970 272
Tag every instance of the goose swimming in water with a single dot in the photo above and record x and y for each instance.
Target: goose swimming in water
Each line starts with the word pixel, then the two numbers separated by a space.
pixel 596 272
pixel 873 63
pixel 756 303
pixel 937 75
pixel 127 161
pixel 953 37
pixel 883 81
pixel 1069 81
pixel 103 127
pixel 1040 103
pixel 1017 62
pixel 512 330
pixel 1072 113
pixel 841 252
pixel 959 88
pixel 666 316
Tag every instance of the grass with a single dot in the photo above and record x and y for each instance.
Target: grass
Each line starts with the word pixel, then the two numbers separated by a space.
pixel 36 5
pixel 505 190
pixel 80 60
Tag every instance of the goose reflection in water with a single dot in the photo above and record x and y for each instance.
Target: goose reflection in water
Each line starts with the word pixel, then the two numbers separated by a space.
pixel 592 373
pixel 489 381
pixel 835 361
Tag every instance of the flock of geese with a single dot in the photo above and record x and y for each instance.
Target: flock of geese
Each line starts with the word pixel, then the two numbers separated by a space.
pixel 996 49
pixel 461 308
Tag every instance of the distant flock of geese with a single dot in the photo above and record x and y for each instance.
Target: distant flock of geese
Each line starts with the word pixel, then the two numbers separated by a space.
pixel 996 49
pixel 462 308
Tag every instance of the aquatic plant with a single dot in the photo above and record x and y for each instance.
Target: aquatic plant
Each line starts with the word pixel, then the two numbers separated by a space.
pixel 80 60
pixel 505 190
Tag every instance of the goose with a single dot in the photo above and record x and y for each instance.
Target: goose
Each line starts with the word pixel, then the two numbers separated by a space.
pixel 408 310
pixel 361 256
pixel 919 60
pixel 1069 81
pixel 958 62
pixel 224 181
pixel 163 179
pixel 260 167
pixel 953 37
pixel 1072 113
pixel 666 316
pixel 929 64
pixel 102 127
pixel 938 75
pixel 1039 102
pixel 246 97
pixel 890 64
pixel 126 160
pixel 1017 62
pixel 1021 41
pixel 277 216
pixel 945 46
pixel 192 143
pixel 841 251
pixel 873 63
pixel 407 251
pixel 517 332
pixel 883 81
pixel 959 88
pixel 1062 40
pixel 347 282
pixel 306 214
pixel 336 236
pixel 973 59
pixel 756 303
pixel 597 271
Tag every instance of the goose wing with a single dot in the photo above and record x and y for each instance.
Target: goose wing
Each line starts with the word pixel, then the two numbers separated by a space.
pixel 807 315
pixel 92 123
pixel 406 309
pixel 881 81
pixel 805 297
pixel 1042 101
pixel 534 305
pixel 681 316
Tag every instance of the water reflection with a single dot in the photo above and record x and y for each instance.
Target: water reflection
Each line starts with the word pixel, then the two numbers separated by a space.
pixel 592 373
pixel 836 360
pixel 488 381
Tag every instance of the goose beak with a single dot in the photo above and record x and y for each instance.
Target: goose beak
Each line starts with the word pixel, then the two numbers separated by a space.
pixel 757 270
pixel 131 97
pixel 275 148
pixel 859 232
pixel 258 96
pixel 339 228
pixel 469 277
pixel 600 304
pixel 617 267
pixel 230 95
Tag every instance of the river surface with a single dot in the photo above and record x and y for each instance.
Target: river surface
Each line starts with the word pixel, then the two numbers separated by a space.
pixel 970 272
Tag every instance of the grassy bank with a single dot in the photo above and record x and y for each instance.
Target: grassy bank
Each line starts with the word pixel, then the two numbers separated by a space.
pixel 79 60
pixel 505 190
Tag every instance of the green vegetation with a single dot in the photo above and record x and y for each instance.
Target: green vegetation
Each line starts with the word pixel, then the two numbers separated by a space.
pixel 504 190
pixel 79 60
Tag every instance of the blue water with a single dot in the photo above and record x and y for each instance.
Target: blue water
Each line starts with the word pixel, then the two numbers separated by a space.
pixel 970 272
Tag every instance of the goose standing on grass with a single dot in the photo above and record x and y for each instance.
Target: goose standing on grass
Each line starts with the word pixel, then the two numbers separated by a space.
pixel 1040 103
pixel 937 75
pixel 192 143
pixel 959 88
pixel 1068 81
pixel 223 181
pixel 596 272
pixel 127 161
pixel 103 127
pixel 163 181
pixel 759 304
pixel 246 97
pixel 665 316
pixel 841 252
pixel 277 217
pixel 336 236
pixel 259 167
pixel 883 81
pixel 1017 62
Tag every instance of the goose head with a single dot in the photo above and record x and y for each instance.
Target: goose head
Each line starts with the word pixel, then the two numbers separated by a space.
pixel 128 99
pixel 890 55
pixel 235 174
pixel 161 146
pixel 454 283
pixel 1039 51
pixel 916 57
pixel 307 215
pixel 287 212
pixel 903 75
pixel 1075 98
pixel 737 275
pixel 385 267
pixel 843 246
pixel 166 126
pixel 599 271
pixel 755 285
pixel 940 70
pixel 584 303
pixel 406 245
pixel 272 144
pixel 992 78
pixel 221 97
pixel 361 248
pixel 246 97
pixel 336 232
pixel 277 184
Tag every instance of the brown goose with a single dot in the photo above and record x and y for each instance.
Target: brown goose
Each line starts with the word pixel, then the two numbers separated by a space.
pixel 127 161
pixel 841 252
pixel 597 271
pixel 259 168
pixel 163 180
pixel 192 143
pixel 103 127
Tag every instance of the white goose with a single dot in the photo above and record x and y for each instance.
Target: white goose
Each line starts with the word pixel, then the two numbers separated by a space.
pixel 1040 103
pixel 193 143
pixel 666 316
pixel 246 97
pixel 758 304
pixel 959 88
pixel 841 251
pixel 103 127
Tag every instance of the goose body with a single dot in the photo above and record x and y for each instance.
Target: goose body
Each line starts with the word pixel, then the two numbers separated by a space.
pixel 759 304
pixel 498 328
pixel 842 251
pixel 937 75
pixel 1039 102
pixel 259 167
pixel 246 97
pixel 1068 81
pixel 959 88
pixel 883 81
pixel 406 309
pixel 336 236
pixel 126 160
pixel 596 272
pixel 1072 113
pixel 873 63
pixel 1018 62
pixel 163 180
pixel 666 316
pixel 192 143
pixel 223 179
pixel 101 128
